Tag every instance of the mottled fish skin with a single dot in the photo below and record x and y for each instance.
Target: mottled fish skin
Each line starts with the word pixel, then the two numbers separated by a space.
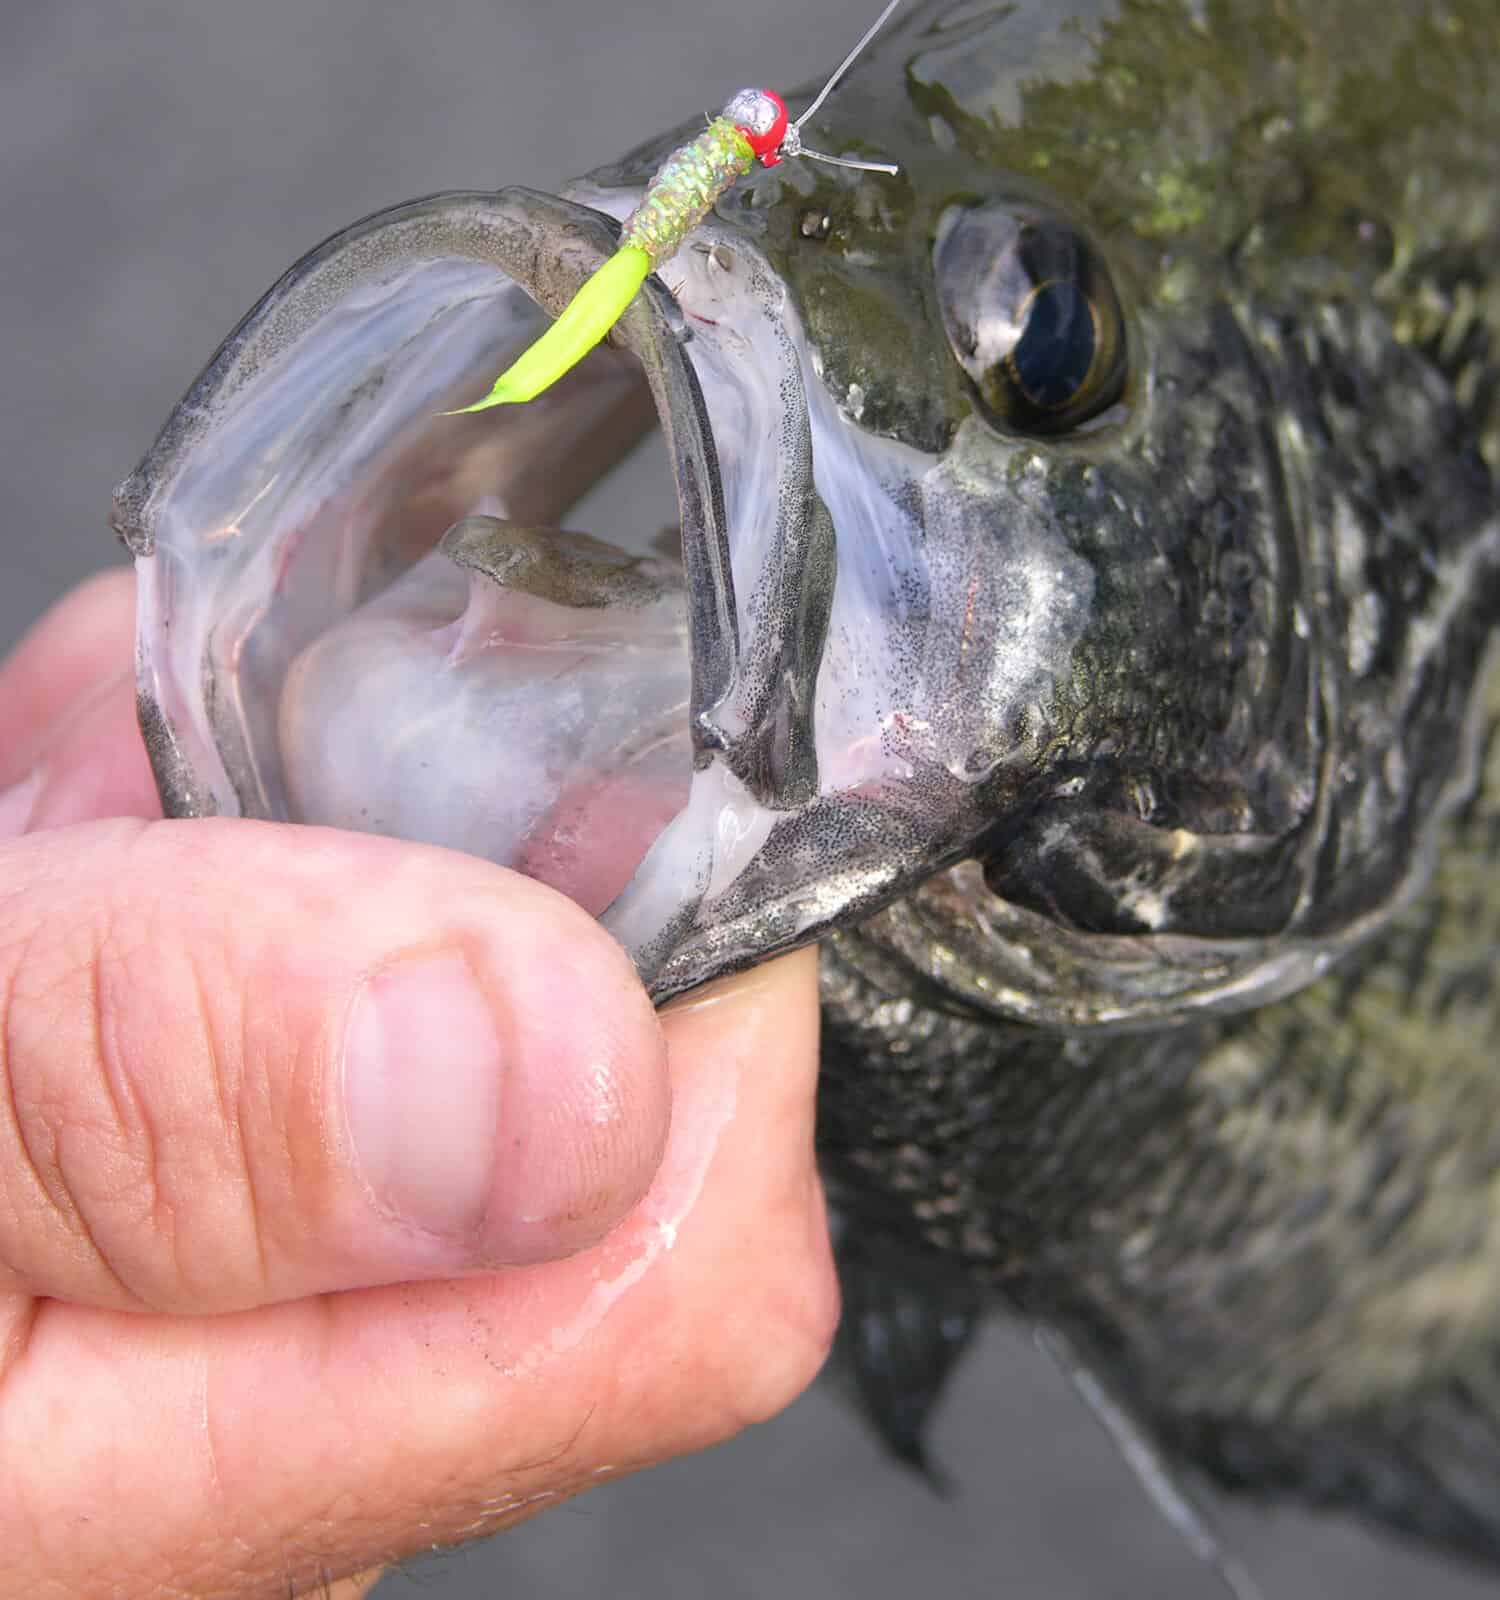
pixel 1275 1234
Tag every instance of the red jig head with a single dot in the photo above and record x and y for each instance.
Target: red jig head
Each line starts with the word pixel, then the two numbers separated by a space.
pixel 761 115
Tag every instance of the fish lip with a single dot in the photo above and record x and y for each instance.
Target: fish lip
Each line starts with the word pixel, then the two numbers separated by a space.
pixel 546 245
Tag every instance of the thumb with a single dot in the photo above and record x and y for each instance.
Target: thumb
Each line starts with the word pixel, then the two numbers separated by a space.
pixel 242 1063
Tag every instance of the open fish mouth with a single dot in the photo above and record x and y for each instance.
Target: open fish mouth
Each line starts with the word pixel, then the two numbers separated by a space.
pixel 357 611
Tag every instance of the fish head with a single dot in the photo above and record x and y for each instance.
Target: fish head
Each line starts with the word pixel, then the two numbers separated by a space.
pixel 993 571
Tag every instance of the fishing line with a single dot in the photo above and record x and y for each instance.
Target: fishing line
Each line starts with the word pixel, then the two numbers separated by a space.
pixel 753 126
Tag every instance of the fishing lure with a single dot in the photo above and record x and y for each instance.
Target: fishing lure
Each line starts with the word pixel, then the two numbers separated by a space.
pixel 753 126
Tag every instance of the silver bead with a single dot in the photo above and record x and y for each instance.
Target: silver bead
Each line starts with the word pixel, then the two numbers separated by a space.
pixel 752 109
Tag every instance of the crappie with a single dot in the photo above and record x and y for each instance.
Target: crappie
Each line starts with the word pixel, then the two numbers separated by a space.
pixel 1085 618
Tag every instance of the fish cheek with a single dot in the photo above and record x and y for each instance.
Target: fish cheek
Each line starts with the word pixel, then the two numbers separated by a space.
pixel 872 320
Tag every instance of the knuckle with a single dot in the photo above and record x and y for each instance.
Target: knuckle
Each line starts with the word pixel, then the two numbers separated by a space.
pixel 114 1105
pixel 89 1172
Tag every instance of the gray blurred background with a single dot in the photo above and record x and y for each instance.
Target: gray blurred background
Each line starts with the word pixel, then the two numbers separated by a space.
pixel 161 162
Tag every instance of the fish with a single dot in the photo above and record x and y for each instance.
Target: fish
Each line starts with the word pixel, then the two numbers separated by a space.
pixel 1082 623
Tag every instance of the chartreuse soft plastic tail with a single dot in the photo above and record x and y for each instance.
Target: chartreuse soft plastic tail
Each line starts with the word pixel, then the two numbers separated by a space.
pixel 753 126
pixel 586 318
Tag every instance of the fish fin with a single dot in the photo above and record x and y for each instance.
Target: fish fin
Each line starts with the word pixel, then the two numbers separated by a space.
pixel 909 1315
pixel 1158 1473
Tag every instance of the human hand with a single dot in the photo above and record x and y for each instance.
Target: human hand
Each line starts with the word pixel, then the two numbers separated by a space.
pixel 352 1197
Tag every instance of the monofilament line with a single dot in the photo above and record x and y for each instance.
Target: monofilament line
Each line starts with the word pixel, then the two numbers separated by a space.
pixel 844 66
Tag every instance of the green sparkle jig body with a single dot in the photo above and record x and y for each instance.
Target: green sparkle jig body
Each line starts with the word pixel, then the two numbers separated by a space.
pixel 753 126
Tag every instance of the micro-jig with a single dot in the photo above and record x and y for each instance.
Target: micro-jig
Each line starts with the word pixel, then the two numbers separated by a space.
pixel 753 126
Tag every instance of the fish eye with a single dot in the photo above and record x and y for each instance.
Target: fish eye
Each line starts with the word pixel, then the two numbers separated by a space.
pixel 1031 315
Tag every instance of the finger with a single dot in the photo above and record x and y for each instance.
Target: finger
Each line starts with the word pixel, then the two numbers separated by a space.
pixel 85 640
pixel 70 749
pixel 241 1063
pixel 94 765
pixel 433 1413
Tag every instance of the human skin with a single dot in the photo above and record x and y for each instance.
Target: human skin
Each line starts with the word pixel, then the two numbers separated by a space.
pixel 353 1199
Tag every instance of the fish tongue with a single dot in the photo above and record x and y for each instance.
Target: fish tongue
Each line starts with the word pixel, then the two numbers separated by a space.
pixel 574 570
pixel 520 694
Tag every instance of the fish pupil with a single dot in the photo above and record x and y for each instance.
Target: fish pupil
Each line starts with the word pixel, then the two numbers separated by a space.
pixel 1052 359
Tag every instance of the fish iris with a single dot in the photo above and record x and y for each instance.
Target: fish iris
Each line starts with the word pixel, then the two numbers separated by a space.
pixel 1031 317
